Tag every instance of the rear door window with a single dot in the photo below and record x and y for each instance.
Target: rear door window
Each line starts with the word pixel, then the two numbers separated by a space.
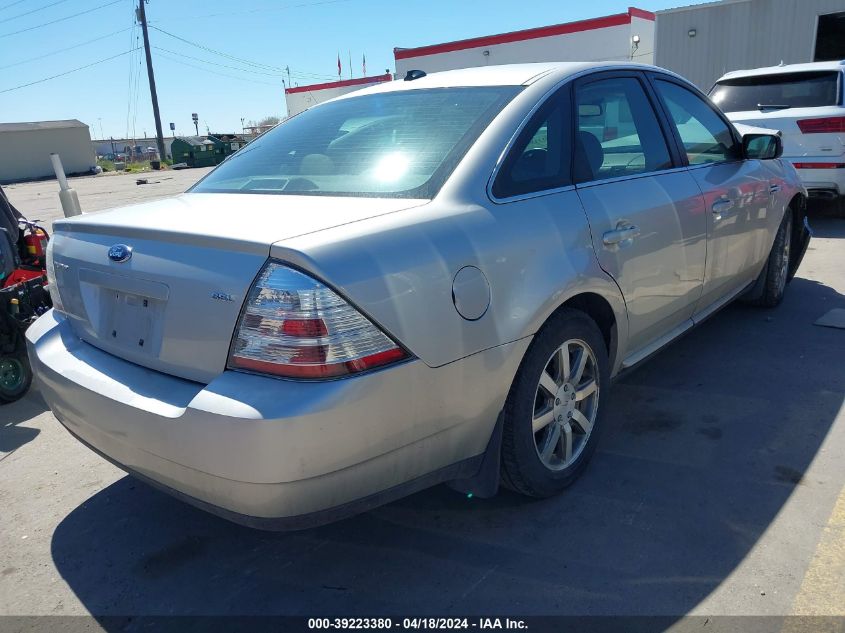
pixel 617 131
pixel 540 158
pixel 777 92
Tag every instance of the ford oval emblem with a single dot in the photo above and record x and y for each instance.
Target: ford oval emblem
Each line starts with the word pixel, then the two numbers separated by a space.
pixel 120 253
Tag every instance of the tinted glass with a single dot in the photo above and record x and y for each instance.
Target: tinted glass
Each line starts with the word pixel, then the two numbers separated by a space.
pixel 830 37
pixel 618 133
pixel 788 90
pixel 400 144
pixel 705 136
pixel 539 159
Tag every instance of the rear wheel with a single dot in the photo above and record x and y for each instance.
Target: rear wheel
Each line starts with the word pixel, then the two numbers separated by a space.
pixel 15 376
pixel 553 412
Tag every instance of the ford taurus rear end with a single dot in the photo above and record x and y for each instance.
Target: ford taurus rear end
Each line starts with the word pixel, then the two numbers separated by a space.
pixel 203 344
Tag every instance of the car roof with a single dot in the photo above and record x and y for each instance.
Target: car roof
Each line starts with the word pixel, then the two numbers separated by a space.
pixel 784 69
pixel 504 75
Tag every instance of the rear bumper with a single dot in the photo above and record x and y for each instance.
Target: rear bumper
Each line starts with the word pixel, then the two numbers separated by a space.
pixel 275 453
pixel 822 183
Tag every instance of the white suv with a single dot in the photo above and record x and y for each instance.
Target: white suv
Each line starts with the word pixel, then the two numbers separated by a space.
pixel 805 102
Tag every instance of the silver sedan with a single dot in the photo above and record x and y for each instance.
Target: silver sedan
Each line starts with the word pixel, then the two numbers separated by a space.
pixel 432 280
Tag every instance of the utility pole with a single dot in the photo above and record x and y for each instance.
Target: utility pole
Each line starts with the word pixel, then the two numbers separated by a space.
pixel 142 17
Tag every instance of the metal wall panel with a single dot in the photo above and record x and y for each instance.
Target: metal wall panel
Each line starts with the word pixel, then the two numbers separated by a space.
pixel 738 34
pixel 26 153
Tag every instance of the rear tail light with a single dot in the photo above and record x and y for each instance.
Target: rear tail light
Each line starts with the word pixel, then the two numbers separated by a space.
pixel 52 286
pixel 819 165
pixel 835 124
pixel 294 326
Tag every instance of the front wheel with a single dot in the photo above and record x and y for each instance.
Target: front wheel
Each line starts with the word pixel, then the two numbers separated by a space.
pixel 15 376
pixel 776 270
pixel 553 414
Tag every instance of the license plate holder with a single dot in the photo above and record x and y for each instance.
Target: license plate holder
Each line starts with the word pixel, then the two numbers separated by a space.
pixel 130 322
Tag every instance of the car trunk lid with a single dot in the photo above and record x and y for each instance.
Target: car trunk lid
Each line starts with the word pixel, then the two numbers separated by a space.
pixel 172 305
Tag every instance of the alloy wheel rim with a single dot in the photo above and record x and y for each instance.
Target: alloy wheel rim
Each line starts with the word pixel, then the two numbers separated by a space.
pixel 11 373
pixel 784 264
pixel 565 404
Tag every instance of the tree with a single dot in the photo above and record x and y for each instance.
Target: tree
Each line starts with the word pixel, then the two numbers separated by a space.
pixel 268 120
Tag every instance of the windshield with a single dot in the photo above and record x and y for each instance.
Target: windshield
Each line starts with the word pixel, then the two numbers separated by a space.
pixel 394 144
pixel 786 90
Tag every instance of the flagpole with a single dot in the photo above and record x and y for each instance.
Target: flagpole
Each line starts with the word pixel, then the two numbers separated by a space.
pixel 350 64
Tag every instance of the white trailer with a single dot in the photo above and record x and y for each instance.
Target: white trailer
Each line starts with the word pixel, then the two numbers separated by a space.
pixel 301 98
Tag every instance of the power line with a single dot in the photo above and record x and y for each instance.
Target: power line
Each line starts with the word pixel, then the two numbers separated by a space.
pixel 264 10
pixel 11 4
pixel 210 63
pixel 20 15
pixel 204 61
pixel 214 72
pixel 216 52
pixel 38 26
pixel 135 66
pixel 62 50
pixel 133 43
pixel 136 91
pixel 241 60
pixel 38 81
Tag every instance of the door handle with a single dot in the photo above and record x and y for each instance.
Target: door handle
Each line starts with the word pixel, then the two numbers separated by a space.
pixel 622 233
pixel 722 206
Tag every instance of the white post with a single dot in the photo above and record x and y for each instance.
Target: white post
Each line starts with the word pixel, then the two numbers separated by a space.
pixel 67 196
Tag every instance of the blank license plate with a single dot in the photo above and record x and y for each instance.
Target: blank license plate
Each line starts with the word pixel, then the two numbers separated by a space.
pixel 131 322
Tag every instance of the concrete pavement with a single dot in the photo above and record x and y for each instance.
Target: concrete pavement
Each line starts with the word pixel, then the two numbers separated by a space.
pixel 717 489
pixel 40 200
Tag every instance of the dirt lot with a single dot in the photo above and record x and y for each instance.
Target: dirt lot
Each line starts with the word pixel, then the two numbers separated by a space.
pixel 718 488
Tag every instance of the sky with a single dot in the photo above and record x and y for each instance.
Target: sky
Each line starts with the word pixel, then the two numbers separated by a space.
pixel 225 59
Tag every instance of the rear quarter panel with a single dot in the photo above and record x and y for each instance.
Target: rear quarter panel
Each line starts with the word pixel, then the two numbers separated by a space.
pixel 399 269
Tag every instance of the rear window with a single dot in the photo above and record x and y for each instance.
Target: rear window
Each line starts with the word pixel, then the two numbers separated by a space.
pixel 394 144
pixel 782 91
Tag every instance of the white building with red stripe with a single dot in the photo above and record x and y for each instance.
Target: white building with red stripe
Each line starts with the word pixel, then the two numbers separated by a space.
pixel 301 98
pixel 623 36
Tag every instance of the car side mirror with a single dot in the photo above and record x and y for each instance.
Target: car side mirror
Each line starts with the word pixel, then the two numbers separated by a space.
pixel 762 146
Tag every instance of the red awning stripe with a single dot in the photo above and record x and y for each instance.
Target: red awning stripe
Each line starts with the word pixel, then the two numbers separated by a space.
pixel 618 19
pixel 360 81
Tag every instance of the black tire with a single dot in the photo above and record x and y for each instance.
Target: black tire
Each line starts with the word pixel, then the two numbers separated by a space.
pixel 776 270
pixel 522 468
pixel 15 376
